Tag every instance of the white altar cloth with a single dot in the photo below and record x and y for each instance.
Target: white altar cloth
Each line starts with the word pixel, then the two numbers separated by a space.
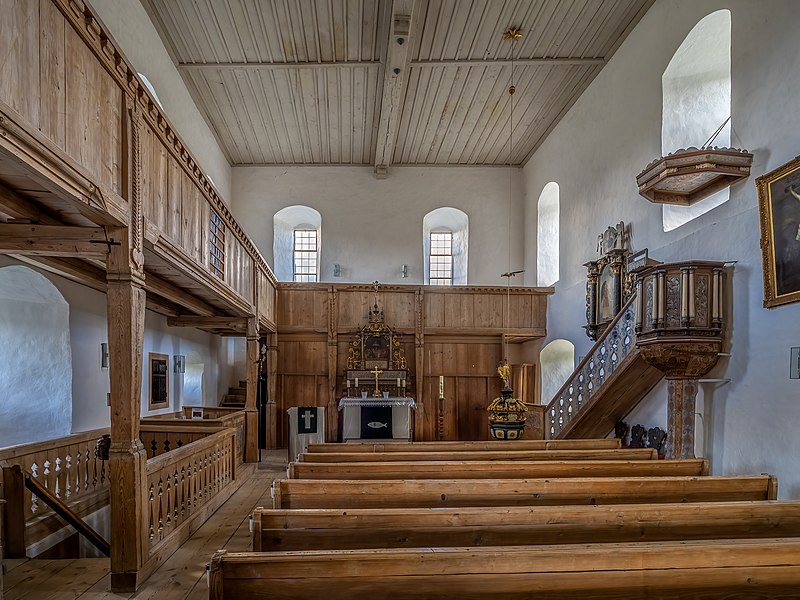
pixel 401 416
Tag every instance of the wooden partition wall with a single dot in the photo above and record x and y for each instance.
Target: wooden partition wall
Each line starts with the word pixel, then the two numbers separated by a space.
pixel 453 332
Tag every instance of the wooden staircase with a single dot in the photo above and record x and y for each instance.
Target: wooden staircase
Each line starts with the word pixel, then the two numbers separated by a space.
pixel 236 396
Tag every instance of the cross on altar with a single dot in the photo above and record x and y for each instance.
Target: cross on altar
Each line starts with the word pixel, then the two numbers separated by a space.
pixel 307 419
pixel 376 371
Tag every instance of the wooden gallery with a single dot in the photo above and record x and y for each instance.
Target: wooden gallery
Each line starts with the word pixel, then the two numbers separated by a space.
pixel 403 299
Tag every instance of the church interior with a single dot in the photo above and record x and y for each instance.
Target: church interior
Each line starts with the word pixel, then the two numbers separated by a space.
pixel 399 299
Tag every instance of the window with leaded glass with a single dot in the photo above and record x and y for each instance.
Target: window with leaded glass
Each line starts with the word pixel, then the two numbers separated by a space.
pixel 216 246
pixel 441 258
pixel 305 255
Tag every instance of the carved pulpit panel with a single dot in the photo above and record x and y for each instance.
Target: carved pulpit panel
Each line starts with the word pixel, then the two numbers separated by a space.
pixel 607 285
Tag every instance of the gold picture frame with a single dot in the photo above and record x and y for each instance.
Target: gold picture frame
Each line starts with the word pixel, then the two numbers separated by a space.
pixel 779 212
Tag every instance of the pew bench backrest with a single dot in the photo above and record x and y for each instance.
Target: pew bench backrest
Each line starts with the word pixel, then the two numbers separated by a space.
pixel 339 529
pixel 360 493
pixel 690 569
pixel 479 455
pixel 456 469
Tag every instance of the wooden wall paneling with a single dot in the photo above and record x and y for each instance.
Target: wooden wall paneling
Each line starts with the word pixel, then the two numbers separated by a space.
pixel 488 311
pixel 108 155
pixel 94 114
pixel 434 309
pixel 189 218
pixel 19 49
pixel 304 308
pixel 458 310
pixel 173 224
pixel 520 311
pixel 420 418
pixel 52 40
pixel 354 308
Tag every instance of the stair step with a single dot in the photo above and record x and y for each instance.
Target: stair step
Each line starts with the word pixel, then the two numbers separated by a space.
pixel 242 383
pixel 232 400
pixel 237 391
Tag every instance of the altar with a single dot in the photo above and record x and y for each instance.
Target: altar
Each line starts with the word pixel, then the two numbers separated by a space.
pixel 376 418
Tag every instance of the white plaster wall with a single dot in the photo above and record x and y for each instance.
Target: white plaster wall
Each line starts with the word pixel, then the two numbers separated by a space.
pixel 557 360
pixel 371 227
pixel 35 361
pixel 136 35
pixel 595 154
pixel 223 363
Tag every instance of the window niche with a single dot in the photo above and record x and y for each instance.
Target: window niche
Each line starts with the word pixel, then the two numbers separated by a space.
pixel 158 369
pixel 289 223
pixel 454 224
pixel 696 100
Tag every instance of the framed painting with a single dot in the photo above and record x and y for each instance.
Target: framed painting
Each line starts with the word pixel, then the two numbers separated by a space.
pixel 779 210
pixel 159 381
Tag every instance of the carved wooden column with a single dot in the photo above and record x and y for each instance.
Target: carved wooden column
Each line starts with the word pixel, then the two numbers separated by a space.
pixel 332 412
pixel 272 390
pixel 125 299
pixel 419 376
pixel 251 374
pixel 679 331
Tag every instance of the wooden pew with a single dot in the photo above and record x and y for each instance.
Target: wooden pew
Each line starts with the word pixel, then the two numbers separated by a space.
pixel 689 569
pixel 311 493
pixel 341 529
pixel 508 469
pixel 467 446
pixel 602 454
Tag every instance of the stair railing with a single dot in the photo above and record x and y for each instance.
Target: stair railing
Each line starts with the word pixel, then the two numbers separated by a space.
pixel 608 352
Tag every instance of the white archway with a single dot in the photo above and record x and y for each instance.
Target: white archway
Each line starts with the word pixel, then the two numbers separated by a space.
pixel 547 240
pixel 35 358
pixel 193 380
pixel 455 221
pixel 285 222
pixel 696 90
pixel 556 362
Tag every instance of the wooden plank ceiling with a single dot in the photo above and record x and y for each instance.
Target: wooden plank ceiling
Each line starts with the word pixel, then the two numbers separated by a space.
pixel 305 82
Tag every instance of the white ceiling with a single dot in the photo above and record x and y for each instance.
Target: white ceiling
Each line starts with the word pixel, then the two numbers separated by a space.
pixel 305 81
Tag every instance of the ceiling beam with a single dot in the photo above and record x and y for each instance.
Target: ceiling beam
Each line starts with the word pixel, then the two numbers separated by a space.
pixel 518 62
pixel 395 75
pixel 53 240
pixel 271 66
pixel 238 324
pixel 261 66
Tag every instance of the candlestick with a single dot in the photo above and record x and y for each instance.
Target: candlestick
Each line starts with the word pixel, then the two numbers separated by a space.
pixel 356 381
pixel 348 384
pixel 398 382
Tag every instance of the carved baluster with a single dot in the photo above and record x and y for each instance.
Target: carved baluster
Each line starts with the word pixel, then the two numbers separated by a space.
pixel 184 496
pixel 151 511
pixel 168 504
pixel 68 476
pixel 177 496
pixel 34 499
pixel 160 501
pixel 78 470
pixel 166 445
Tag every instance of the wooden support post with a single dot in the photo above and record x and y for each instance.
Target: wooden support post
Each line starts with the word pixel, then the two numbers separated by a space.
pixel 125 298
pixel 128 461
pixel 419 356
pixel 13 521
pixel 332 413
pixel 251 371
pixel 681 395
pixel 272 391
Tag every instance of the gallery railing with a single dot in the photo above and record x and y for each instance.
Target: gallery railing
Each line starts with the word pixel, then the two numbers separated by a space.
pixel 68 467
pixel 182 482
pixel 606 355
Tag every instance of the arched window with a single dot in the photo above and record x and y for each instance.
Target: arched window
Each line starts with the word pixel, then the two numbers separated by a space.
pixel 547 236
pixel 445 246
pixel 151 89
pixel 557 361
pixel 35 358
pixel 297 243
pixel 696 88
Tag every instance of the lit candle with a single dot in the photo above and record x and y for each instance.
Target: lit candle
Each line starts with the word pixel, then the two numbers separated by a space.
pixel 348 384
pixel 356 381
pixel 398 382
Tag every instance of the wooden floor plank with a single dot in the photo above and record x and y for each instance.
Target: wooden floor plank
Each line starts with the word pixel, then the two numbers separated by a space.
pixel 181 577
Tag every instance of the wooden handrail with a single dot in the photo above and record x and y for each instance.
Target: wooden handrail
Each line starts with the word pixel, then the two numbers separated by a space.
pixel 64 511
pixel 12 452
pixel 589 355
pixel 174 456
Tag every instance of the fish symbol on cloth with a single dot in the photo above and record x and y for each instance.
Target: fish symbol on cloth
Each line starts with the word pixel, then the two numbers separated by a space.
pixel 377 425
